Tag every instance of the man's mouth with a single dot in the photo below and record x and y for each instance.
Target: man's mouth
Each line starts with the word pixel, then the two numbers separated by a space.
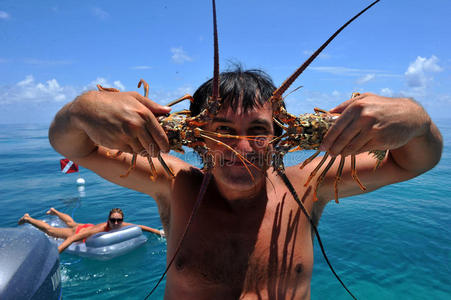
pixel 236 162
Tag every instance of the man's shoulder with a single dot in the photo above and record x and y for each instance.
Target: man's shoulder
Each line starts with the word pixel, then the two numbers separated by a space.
pixel 189 175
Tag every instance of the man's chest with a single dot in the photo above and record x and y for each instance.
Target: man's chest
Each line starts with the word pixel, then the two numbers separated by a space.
pixel 267 250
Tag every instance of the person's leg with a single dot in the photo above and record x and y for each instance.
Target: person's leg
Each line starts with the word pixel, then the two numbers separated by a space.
pixel 43 226
pixel 65 217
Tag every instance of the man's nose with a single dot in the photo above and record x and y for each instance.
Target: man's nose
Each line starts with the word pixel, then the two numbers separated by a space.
pixel 243 145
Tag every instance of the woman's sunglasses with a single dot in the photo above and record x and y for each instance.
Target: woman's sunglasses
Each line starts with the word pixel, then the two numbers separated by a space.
pixel 114 220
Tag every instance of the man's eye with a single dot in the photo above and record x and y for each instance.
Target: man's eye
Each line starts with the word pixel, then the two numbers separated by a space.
pixel 259 130
pixel 224 129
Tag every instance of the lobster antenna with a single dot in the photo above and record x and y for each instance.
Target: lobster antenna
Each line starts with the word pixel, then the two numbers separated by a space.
pixel 208 175
pixel 215 91
pixel 279 92
pixel 200 196
pixel 315 229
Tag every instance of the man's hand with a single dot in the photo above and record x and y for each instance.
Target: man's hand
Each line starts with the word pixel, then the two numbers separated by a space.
pixel 371 122
pixel 125 121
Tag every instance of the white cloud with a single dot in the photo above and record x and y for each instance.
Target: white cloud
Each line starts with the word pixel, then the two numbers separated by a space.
pixel 141 67
pixel 100 13
pixel 103 82
pixel 28 80
pixel 119 85
pixel 4 15
pixel 366 78
pixel 417 74
pixel 28 90
pixel 387 92
pixel 179 55
pixel 336 70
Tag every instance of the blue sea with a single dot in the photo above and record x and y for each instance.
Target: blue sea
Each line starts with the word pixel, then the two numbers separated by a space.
pixel 394 243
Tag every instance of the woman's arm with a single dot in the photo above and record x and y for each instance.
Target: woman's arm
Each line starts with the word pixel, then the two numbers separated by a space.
pixel 145 228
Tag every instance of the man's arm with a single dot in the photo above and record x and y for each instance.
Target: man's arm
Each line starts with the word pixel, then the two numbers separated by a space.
pixel 86 130
pixel 371 122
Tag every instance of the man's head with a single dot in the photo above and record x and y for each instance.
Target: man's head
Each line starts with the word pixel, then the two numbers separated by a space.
pixel 115 218
pixel 245 88
pixel 245 112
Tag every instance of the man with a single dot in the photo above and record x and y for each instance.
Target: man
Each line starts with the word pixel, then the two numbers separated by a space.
pixel 79 231
pixel 249 239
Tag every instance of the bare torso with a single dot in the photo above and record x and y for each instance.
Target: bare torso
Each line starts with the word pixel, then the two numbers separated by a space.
pixel 258 249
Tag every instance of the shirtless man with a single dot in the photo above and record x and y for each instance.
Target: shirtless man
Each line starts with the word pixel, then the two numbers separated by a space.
pixel 78 231
pixel 249 239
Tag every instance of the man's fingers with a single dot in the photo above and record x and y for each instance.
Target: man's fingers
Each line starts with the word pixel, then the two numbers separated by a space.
pixel 159 136
pixel 148 143
pixel 154 107
pixel 136 146
pixel 329 139
pixel 341 107
pixel 356 144
pixel 344 138
pixel 366 147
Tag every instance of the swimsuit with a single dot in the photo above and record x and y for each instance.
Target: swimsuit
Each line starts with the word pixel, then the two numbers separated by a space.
pixel 80 227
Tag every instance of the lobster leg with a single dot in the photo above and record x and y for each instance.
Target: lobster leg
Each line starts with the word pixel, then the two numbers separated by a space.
pixel 132 165
pixel 146 87
pixel 379 155
pixel 160 159
pixel 313 173
pixel 338 177
pixel 117 154
pixel 186 97
pixel 103 89
pixel 308 160
pixel 165 166
pixel 321 177
pixel 153 171
pixel 354 174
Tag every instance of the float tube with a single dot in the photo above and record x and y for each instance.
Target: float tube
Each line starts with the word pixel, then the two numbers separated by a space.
pixel 107 245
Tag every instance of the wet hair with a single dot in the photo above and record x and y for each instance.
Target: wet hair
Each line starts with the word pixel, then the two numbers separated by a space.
pixel 245 88
pixel 116 210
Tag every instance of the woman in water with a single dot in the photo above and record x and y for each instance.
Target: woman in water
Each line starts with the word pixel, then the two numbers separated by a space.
pixel 79 231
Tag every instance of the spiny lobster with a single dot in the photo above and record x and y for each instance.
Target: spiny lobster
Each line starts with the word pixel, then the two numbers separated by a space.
pixel 300 132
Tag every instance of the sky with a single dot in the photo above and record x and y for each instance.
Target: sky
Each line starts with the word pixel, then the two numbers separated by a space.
pixel 52 51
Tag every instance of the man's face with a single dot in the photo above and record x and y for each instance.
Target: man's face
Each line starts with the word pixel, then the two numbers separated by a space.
pixel 256 130
pixel 115 220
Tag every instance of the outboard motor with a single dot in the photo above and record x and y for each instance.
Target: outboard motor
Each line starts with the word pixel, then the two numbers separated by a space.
pixel 29 265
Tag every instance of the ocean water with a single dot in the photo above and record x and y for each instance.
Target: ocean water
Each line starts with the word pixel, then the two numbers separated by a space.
pixel 394 243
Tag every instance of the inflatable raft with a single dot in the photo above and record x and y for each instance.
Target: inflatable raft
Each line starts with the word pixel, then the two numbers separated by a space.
pixel 107 245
